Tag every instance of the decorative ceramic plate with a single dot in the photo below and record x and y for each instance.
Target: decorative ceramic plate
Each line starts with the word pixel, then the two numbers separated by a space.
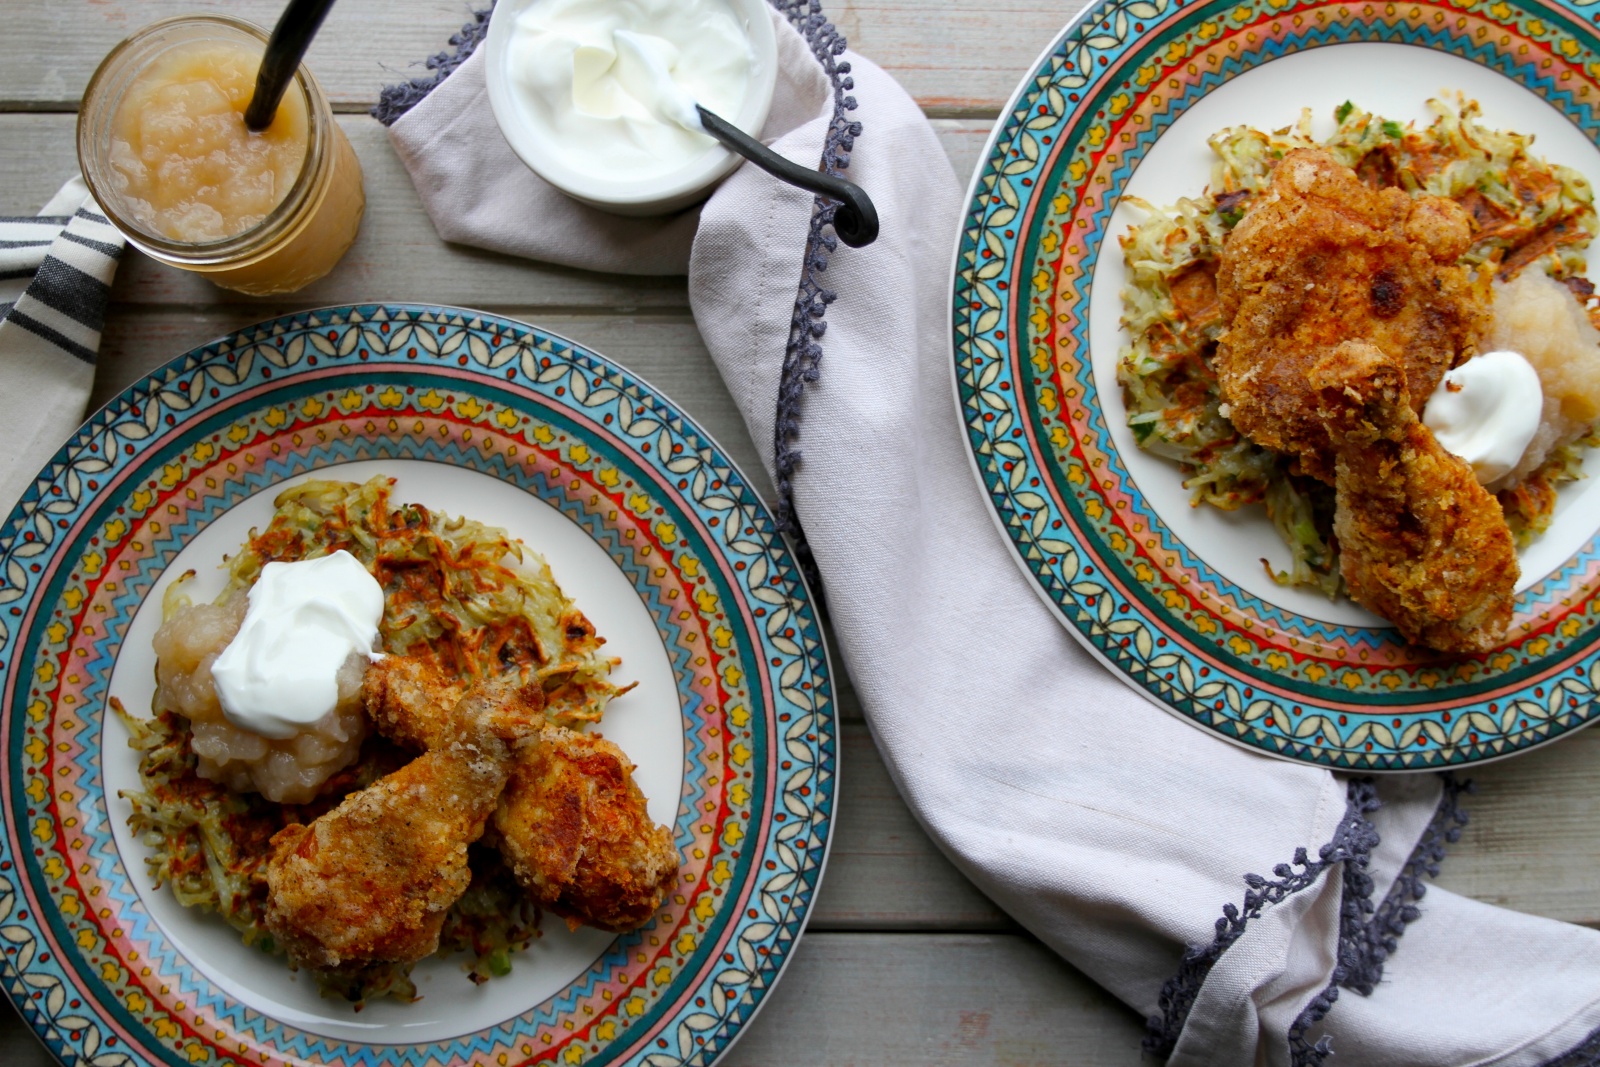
pixel 645 522
pixel 1175 599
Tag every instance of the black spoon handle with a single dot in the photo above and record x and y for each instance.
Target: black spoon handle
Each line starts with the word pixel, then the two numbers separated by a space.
pixel 290 39
pixel 856 221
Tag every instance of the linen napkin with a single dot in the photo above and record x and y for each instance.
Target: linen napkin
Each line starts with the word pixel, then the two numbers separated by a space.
pixel 55 280
pixel 1226 896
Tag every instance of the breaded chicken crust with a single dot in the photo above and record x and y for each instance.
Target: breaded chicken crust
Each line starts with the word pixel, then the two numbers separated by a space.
pixel 1421 542
pixel 571 823
pixel 1345 307
pixel 372 879
pixel 1322 259
pixel 575 829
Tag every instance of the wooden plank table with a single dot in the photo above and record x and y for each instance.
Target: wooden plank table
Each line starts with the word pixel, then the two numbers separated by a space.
pixel 905 961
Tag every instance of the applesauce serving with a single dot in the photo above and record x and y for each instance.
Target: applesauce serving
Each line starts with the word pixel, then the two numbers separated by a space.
pixel 164 148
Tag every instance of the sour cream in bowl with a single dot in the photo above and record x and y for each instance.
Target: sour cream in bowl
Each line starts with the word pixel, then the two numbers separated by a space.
pixel 590 93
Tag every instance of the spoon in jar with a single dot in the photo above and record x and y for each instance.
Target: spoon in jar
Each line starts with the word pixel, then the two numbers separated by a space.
pixel 648 77
pixel 285 48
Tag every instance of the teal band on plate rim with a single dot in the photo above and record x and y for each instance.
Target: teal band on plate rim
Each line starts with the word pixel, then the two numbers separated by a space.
pixel 1145 603
pixel 89 970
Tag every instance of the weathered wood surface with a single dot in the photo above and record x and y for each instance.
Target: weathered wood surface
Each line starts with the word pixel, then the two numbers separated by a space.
pixel 957 58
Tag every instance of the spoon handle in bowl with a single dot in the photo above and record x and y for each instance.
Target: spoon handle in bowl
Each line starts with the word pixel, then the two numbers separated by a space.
pixel 856 221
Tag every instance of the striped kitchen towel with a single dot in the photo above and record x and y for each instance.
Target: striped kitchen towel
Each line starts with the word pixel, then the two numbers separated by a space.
pixel 55 280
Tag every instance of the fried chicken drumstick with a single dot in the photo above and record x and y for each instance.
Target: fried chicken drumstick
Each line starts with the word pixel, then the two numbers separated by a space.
pixel 571 822
pixel 1422 543
pixel 1346 305
pixel 574 827
pixel 371 880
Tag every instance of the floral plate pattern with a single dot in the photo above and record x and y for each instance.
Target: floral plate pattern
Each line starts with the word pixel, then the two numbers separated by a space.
pixel 84 961
pixel 1040 428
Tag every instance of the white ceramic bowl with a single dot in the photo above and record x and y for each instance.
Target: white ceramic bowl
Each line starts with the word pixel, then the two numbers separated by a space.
pixel 657 194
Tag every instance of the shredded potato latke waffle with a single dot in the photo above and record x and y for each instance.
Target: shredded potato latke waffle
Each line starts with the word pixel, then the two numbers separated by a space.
pixel 1526 212
pixel 463 596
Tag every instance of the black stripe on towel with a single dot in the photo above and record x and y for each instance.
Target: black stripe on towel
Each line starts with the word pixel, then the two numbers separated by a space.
pixel 110 251
pixel 55 337
pixel 80 297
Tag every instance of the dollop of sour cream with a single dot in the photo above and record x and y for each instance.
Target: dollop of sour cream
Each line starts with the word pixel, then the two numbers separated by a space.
pixel 1486 411
pixel 280 672
pixel 611 84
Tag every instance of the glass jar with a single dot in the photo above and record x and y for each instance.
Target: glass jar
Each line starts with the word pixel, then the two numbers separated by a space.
pixel 295 242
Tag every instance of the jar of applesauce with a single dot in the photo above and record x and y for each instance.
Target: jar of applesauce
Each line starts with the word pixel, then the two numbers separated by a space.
pixel 164 149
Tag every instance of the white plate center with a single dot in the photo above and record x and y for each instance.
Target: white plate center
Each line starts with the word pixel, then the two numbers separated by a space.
pixel 647 723
pixel 1391 80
